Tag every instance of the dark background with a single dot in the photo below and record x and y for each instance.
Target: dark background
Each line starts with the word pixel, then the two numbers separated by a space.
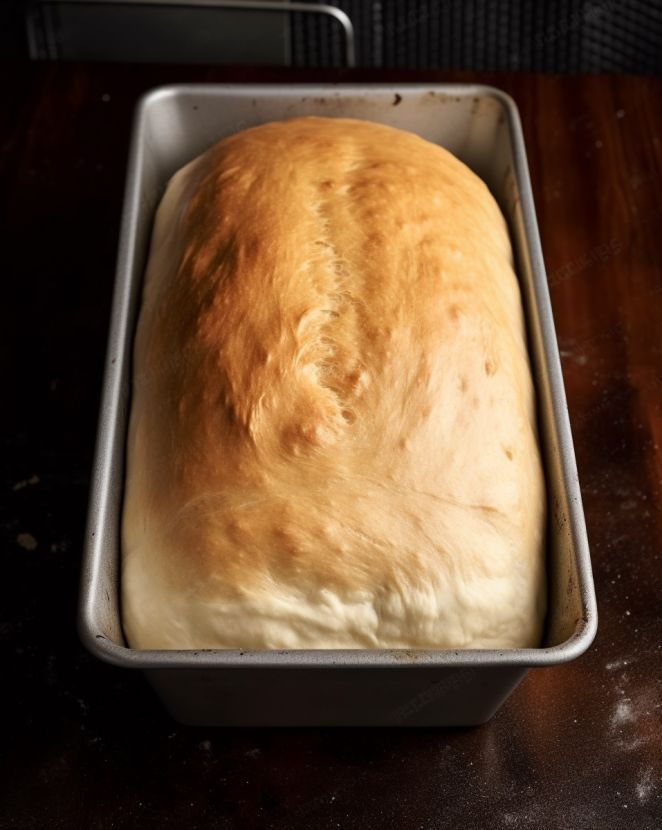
pixel 531 35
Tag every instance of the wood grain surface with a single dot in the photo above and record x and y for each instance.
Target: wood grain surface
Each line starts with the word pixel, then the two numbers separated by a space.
pixel 84 745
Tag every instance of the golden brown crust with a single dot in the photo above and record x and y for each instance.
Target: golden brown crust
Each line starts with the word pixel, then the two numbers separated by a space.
pixel 332 438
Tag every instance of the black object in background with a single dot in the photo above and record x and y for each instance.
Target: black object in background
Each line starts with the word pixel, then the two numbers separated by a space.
pixel 623 36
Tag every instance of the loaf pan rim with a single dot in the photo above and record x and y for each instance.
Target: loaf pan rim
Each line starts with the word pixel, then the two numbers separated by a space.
pixel 106 650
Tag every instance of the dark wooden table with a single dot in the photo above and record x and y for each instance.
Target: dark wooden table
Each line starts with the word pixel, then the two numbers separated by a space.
pixel 85 745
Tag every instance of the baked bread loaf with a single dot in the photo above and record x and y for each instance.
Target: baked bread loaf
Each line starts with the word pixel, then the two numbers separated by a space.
pixel 332 437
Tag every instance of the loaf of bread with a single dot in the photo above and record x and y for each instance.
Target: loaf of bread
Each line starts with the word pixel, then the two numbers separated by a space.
pixel 332 438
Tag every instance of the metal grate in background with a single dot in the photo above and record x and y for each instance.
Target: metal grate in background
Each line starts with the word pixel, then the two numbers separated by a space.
pixel 546 36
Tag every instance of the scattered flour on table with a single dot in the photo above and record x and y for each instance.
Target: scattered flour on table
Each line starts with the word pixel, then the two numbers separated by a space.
pixel 623 713
pixel 20 485
pixel 27 541
pixel 646 785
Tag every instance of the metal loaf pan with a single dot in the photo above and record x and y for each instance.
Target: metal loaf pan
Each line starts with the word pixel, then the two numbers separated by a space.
pixel 322 687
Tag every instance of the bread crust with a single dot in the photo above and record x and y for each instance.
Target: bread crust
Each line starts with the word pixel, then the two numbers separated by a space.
pixel 332 438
